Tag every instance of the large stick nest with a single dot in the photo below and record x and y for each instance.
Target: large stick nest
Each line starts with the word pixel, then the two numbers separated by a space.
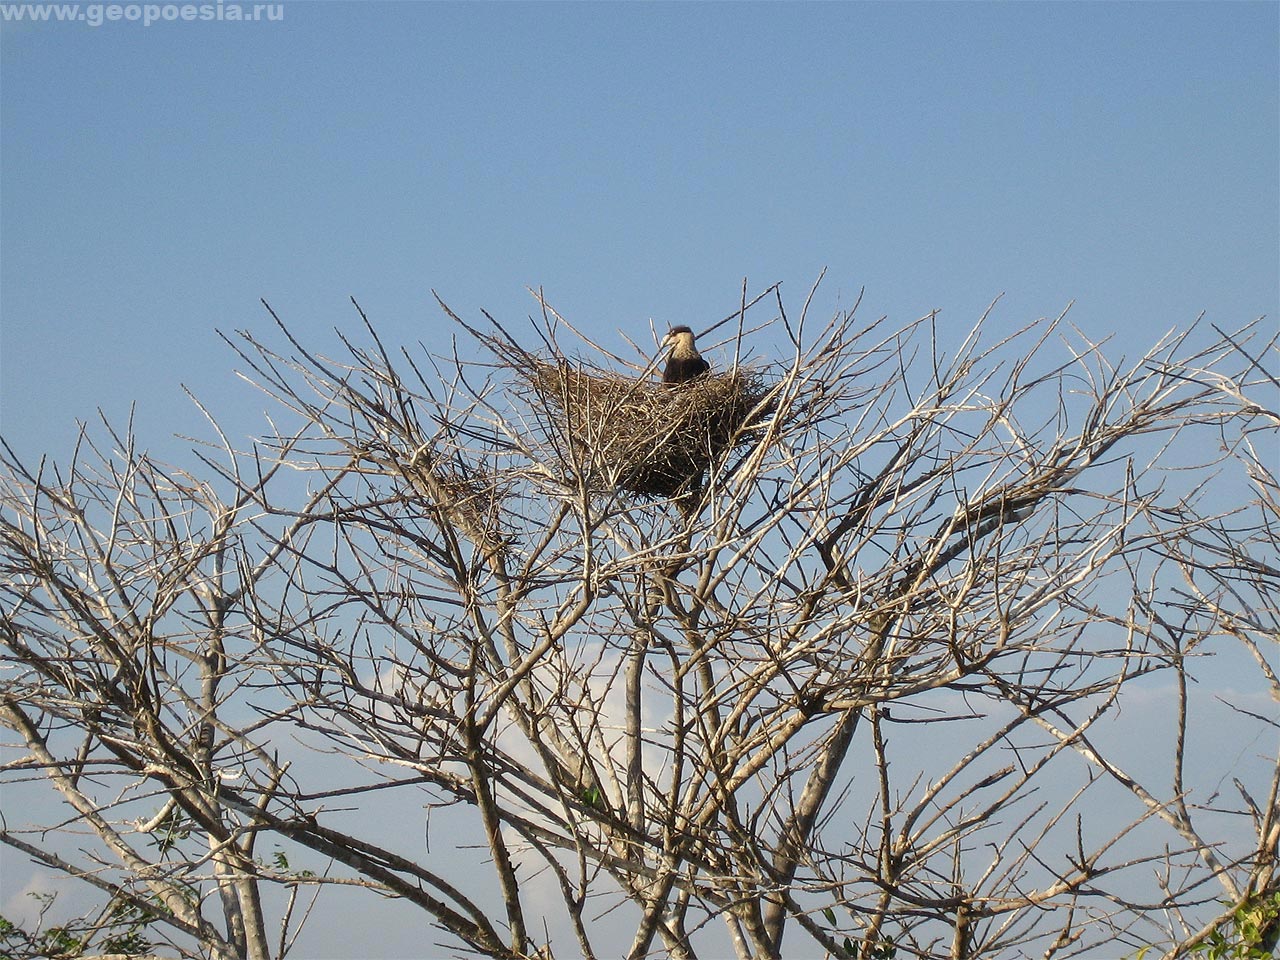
pixel 642 436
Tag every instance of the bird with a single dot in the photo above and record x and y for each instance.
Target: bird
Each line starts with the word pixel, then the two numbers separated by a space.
pixel 684 363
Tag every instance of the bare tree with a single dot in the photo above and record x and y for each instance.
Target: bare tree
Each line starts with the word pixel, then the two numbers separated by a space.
pixel 124 645
pixel 860 678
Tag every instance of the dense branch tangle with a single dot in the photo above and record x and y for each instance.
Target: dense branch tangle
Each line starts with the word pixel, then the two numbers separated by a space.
pixel 701 716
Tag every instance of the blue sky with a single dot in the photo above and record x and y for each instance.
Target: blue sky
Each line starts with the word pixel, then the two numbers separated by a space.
pixel 637 161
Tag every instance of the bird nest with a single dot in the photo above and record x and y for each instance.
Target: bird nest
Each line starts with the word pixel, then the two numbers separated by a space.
pixel 645 437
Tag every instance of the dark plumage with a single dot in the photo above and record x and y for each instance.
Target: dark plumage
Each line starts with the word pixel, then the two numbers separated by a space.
pixel 684 363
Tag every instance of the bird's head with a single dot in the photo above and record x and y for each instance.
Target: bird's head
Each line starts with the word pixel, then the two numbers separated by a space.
pixel 679 337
